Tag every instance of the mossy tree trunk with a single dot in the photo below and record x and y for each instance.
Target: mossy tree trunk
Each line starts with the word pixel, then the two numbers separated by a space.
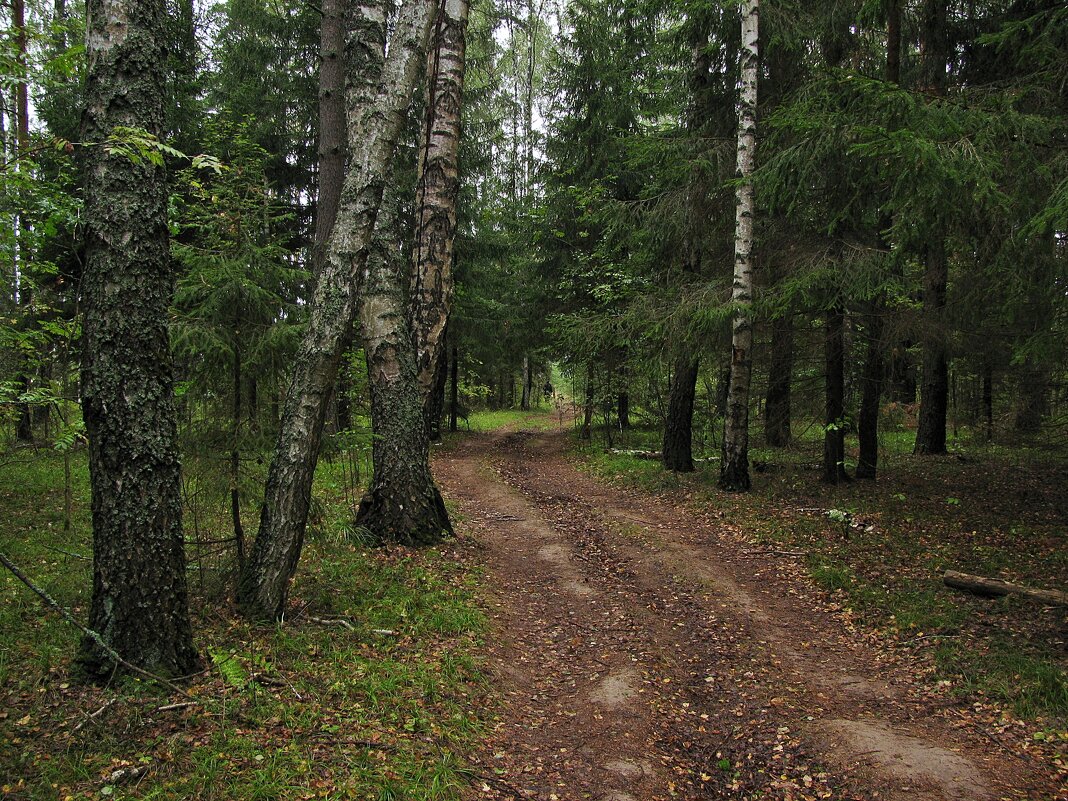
pixel 403 504
pixel 139 605
pixel 377 103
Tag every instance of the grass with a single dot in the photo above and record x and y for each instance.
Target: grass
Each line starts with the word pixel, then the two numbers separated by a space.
pixel 985 509
pixel 378 709
pixel 539 418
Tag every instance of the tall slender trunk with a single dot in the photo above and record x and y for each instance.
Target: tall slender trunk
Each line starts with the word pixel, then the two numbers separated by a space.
pixel 436 197
pixel 24 420
pixel 934 387
pixel 524 402
pixel 777 405
pixel 454 390
pixel 872 374
pixel 988 399
pixel 872 381
pixel 623 410
pixel 235 462
pixel 834 470
pixel 436 402
pixel 677 450
pixel 139 604
pixel 734 467
pixel 331 127
pixel 378 98
pixel 402 504
pixel 587 409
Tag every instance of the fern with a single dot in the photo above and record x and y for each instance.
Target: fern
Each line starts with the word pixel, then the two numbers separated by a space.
pixel 231 669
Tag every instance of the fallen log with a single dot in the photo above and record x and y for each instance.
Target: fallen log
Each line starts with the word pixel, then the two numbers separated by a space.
pixel 994 588
pixel 637 454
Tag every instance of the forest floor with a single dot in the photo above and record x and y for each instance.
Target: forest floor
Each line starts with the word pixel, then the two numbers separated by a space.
pixel 641 648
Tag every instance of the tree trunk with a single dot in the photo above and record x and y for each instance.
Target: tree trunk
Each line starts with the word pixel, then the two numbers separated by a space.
pixel 677 450
pixel 988 399
pixel 734 468
pixel 587 410
pixel 436 401
pixel 1034 404
pixel 24 420
pixel 454 391
pixel 872 384
pixel 378 97
pixel 777 406
pixel 139 604
pixel 403 504
pixel 331 127
pixel 934 386
pixel 834 432
pixel 623 410
pixel 436 197
pixel 524 402
pixel 235 464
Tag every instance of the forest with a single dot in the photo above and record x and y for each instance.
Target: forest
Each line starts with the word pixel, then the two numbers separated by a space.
pixel 625 400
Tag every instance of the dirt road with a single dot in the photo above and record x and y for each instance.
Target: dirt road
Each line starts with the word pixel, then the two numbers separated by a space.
pixel 644 651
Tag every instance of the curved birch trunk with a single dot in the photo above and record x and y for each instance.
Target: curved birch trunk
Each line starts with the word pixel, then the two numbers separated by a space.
pixel 377 105
pixel 734 470
pixel 436 196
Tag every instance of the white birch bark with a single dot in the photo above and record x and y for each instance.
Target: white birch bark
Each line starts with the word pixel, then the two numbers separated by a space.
pixel 734 470
pixel 379 92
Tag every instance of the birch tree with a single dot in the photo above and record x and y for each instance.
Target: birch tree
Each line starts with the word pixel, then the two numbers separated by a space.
pixel 377 104
pixel 734 469
pixel 436 196
pixel 139 605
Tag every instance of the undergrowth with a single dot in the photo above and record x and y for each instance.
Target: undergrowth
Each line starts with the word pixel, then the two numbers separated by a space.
pixel 369 689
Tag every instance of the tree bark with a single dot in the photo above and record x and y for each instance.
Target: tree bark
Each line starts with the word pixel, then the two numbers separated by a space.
pixel 331 127
pixel 623 410
pixel 235 463
pixel 436 197
pixel 834 470
pixel 777 405
pixel 734 468
pixel 524 402
pixel 871 397
pixel 587 410
pixel 996 588
pixel 678 425
pixel 436 402
pixel 402 504
pixel 988 399
pixel 377 104
pixel 454 390
pixel 139 604
pixel 934 387
pixel 24 419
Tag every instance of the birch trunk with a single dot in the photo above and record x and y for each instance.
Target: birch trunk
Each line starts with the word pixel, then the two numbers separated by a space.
pixel 402 505
pixel 139 605
pixel 436 196
pixel 377 103
pixel 734 470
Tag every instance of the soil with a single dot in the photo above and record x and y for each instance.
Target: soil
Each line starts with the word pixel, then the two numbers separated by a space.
pixel 642 649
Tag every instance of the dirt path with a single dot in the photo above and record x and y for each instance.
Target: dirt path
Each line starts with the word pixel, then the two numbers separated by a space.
pixel 644 653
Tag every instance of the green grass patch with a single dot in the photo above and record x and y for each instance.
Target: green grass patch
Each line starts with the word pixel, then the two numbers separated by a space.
pixel 369 690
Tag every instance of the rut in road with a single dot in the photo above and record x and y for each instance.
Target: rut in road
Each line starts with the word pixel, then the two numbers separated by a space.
pixel 641 656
